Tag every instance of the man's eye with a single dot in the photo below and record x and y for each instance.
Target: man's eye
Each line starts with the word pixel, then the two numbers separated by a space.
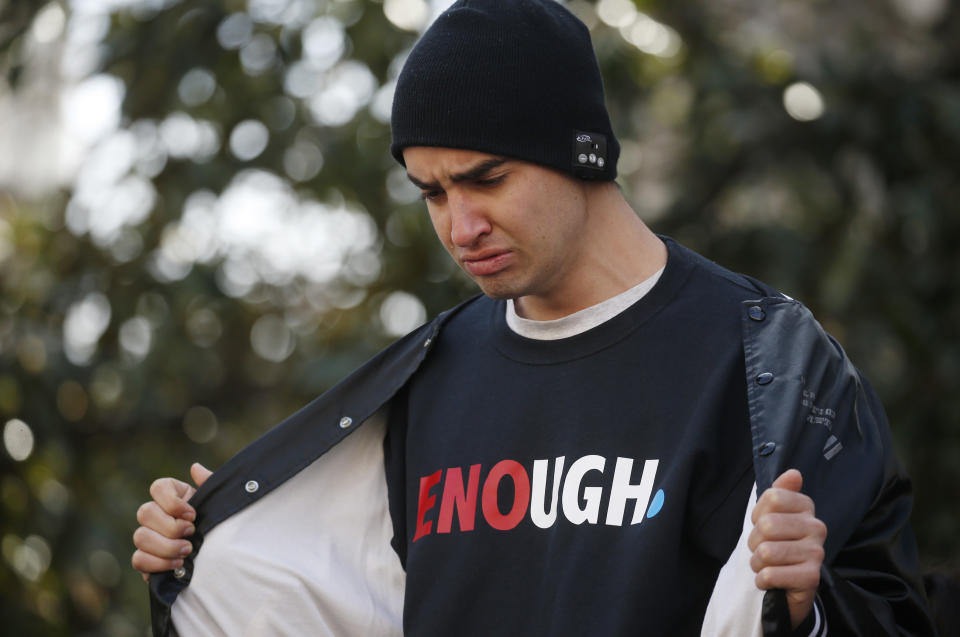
pixel 430 195
pixel 493 181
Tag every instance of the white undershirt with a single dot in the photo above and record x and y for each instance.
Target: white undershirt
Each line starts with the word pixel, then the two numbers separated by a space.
pixel 312 557
pixel 581 321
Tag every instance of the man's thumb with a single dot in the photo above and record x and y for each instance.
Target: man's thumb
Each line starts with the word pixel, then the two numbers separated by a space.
pixel 199 473
pixel 791 480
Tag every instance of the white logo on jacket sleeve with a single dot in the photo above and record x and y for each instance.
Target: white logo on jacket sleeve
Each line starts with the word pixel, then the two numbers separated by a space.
pixel 825 417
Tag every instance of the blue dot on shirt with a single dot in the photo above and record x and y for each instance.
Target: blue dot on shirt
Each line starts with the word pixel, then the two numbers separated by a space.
pixel 656 505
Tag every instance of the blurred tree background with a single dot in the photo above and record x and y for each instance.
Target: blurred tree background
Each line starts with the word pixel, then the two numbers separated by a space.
pixel 201 229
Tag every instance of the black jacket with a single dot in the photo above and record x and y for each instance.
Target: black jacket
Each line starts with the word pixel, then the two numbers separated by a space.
pixel 869 581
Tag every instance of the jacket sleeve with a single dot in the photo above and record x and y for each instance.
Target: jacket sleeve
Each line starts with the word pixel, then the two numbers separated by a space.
pixel 812 410
pixel 871 587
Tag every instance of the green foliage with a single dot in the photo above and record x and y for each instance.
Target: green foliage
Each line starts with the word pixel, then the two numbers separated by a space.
pixel 198 349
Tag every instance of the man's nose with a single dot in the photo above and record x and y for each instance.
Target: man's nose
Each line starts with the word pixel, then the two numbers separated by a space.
pixel 468 221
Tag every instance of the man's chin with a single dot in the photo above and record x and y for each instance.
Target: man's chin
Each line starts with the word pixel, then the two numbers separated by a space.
pixel 497 292
pixel 501 286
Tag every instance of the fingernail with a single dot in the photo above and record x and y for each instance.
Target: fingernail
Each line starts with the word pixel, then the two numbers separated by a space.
pixel 177 563
pixel 189 531
pixel 186 550
pixel 189 516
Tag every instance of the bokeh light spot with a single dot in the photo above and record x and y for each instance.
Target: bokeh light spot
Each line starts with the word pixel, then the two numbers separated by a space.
pixel 382 102
pixel 776 66
pixel 200 424
pixel 401 312
pixel 106 387
pixel 271 338
pixel 18 439
pixel 85 323
pixel 651 37
pixel 349 87
pixel 203 327
pixel 280 112
pixel 409 15
pixel 179 134
pixel 399 187
pixel 303 161
pixel 616 13
pixel 135 337
pixel 922 13
pixel 234 31
pixel 72 400
pixel 248 139
pixel 6 241
pixel 32 354
pixel 258 55
pixel 153 306
pixel 196 86
pixel 324 41
pixel 54 496
pixel 104 568
pixel 49 23
pixel 48 605
pixel 31 558
pixel 91 109
pixel 803 102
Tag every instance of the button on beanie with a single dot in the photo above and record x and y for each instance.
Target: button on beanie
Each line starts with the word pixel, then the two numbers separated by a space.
pixel 516 78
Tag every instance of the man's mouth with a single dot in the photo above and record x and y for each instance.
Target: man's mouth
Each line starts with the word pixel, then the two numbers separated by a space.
pixel 487 263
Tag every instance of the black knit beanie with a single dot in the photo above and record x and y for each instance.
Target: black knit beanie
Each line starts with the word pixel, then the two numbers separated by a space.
pixel 516 78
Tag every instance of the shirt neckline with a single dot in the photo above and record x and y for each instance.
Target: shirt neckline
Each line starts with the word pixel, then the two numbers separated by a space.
pixel 535 351
pixel 581 321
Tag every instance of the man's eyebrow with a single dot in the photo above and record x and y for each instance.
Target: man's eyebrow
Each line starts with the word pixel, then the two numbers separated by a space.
pixel 422 185
pixel 470 174
pixel 479 170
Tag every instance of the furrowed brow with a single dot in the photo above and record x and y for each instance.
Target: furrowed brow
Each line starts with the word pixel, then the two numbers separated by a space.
pixel 422 185
pixel 479 170
pixel 470 174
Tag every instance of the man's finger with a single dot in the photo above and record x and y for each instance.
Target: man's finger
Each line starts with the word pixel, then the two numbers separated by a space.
pixel 172 495
pixel 146 564
pixel 780 527
pixel 791 480
pixel 783 496
pixel 797 577
pixel 152 543
pixel 786 553
pixel 775 500
pixel 152 516
pixel 199 473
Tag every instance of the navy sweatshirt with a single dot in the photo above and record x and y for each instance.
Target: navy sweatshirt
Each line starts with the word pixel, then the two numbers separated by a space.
pixel 592 485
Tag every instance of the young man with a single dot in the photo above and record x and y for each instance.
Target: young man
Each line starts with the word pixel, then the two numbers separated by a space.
pixel 577 451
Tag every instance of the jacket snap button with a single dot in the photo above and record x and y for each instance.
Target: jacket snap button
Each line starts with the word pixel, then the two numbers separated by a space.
pixel 427 342
pixel 767 448
pixel 179 572
pixel 756 313
pixel 765 378
pixel 345 422
pixel 252 486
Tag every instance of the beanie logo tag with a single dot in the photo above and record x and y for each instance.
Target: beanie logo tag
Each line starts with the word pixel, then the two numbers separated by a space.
pixel 589 155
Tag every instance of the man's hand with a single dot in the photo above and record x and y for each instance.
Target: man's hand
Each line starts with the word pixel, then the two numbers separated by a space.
pixel 787 544
pixel 164 522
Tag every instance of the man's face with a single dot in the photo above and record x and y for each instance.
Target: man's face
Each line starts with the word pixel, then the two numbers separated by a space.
pixel 515 228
